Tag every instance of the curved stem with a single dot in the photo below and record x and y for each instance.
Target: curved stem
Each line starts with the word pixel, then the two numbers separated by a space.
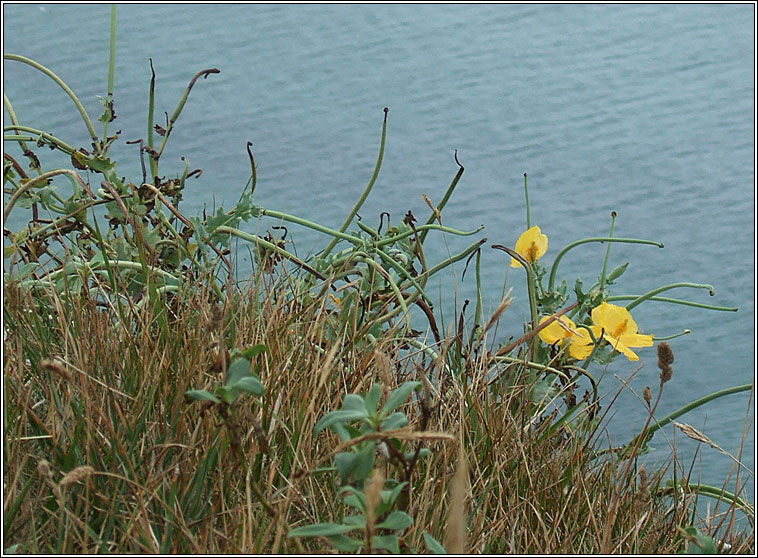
pixel 526 196
pixel 30 184
pixel 392 239
pixel 654 292
pixel 315 226
pixel 366 191
pixel 530 282
pixel 446 197
pixel 111 68
pixel 650 430
pixel 269 246
pixel 180 106
pixel 560 255
pixel 607 252
pixel 674 301
pixel 60 82
pixel 60 144
pixel 719 494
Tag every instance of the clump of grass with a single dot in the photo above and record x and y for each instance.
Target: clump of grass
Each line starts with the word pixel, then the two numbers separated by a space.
pixel 161 475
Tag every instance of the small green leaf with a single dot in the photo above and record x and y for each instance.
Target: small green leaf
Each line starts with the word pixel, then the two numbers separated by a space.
pixel 320 530
pixel 432 544
pixel 422 453
pixel 395 420
pixel 398 397
pixel 355 520
pixel 345 544
pixel 228 395
pixel 253 351
pixel 238 369
pixel 396 521
pixel 251 384
pixel 202 395
pixel 616 273
pixel 703 544
pixel 337 416
pixel 353 402
pixel 372 398
pixel 386 542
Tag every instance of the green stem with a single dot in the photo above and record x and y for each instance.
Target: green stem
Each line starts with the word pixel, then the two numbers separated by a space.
pixel 366 191
pixel 315 226
pixel 150 114
pixel 180 106
pixel 650 430
pixel 60 144
pixel 478 312
pixel 14 120
pixel 60 82
pixel 673 301
pixel 560 255
pixel 607 252
pixel 654 292
pixel 526 196
pixel 30 184
pixel 674 336
pixel 424 228
pixel 718 494
pixel 269 246
pixel 530 281
pixel 111 65
pixel 445 198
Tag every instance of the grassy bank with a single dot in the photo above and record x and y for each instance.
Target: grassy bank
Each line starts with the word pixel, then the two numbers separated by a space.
pixel 104 451
pixel 155 403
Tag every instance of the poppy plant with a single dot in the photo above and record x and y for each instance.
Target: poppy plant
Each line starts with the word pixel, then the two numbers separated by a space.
pixel 531 245
pixel 616 325
pixel 563 331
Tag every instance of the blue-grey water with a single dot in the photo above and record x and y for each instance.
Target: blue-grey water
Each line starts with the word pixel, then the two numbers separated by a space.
pixel 647 110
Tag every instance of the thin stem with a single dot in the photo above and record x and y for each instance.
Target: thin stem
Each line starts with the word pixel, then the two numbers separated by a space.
pixel 29 185
pixel 445 198
pixel 654 292
pixel 150 114
pixel 60 144
pixel 366 191
pixel 59 81
pixel 560 255
pixel 607 252
pixel 180 106
pixel 111 68
pixel 530 281
pixel 673 301
pixel 424 228
pixel 526 196
pixel 649 431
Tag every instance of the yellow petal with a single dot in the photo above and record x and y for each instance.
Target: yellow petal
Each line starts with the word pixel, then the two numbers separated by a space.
pixel 637 340
pixel 555 332
pixel 620 347
pixel 616 320
pixel 531 245
pixel 581 344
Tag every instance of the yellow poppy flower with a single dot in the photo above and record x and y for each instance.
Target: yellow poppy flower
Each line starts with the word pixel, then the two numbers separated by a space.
pixel 563 331
pixel 532 244
pixel 616 325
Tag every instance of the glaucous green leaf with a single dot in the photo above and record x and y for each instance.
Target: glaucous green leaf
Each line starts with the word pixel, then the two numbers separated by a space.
pixel 398 397
pixel 202 395
pixel 320 530
pixel 432 544
pixel 396 521
pixel 386 542
pixel 337 416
